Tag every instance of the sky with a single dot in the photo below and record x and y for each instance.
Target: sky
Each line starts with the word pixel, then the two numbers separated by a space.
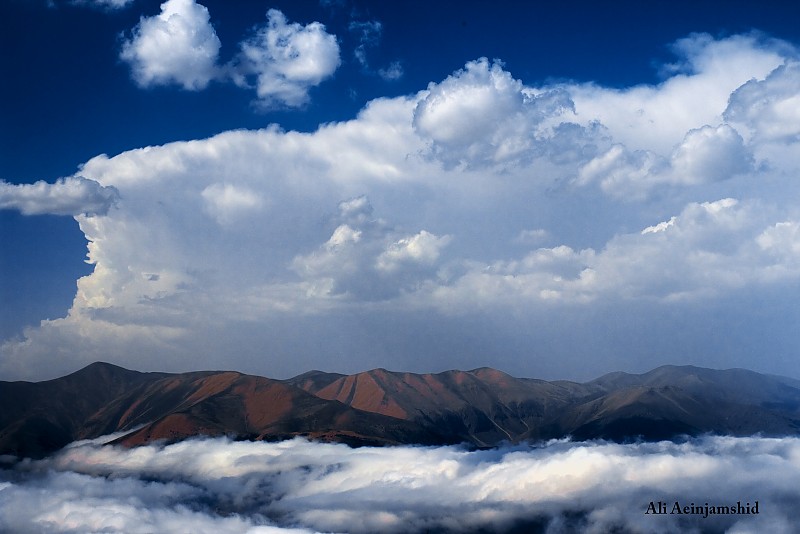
pixel 554 190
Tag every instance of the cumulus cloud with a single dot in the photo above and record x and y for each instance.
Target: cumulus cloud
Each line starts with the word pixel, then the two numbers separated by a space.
pixel 287 60
pixel 706 154
pixel 67 196
pixel 770 108
pixel 280 60
pixel 297 486
pixel 365 257
pixel 422 248
pixel 482 116
pixel 708 250
pixel 695 92
pixel 226 202
pixel 710 154
pixel 477 220
pixel 179 45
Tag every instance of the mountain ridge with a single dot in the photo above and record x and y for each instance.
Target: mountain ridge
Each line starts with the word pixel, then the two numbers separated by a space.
pixel 482 407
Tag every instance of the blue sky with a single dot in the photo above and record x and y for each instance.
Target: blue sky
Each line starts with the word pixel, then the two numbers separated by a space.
pixel 609 188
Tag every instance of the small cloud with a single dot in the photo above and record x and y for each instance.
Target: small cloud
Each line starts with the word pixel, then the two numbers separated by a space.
pixel 286 60
pixel 178 46
pixel 660 227
pixel 393 72
pixel 369 35
pixel 422 248
pixel 532 237
pixel 104 4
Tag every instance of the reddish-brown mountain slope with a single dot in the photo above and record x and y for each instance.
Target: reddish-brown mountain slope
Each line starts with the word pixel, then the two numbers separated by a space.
pixel 483 407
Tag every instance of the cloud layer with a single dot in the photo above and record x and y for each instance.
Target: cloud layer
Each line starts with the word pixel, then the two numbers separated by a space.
pixel 558 231
pixel 298 486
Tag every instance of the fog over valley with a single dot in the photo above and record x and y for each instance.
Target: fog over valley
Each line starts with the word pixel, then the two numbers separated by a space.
pixel 217 485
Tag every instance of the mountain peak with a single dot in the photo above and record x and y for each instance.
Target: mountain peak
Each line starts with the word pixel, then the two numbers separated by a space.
pixel 483 407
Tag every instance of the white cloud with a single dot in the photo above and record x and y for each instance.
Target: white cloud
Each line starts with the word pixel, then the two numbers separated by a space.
pixel 656 118
pixel 422 248
pixel 178 46
pixel 365 258
pixel 287 59
pixel 623 173
pixel 280 60
pixel 769 108
pixel 67 196
pixel 706 154
pixel 707 251
pixel 223 486
pixel 482 116
pixel 710 154
pixel 660 227
pixel 226 202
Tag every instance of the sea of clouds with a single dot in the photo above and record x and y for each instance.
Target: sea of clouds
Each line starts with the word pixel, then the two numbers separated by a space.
pixel 220 486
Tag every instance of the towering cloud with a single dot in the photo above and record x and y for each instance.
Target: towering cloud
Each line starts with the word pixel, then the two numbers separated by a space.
pixel 557 231
pixel 481 115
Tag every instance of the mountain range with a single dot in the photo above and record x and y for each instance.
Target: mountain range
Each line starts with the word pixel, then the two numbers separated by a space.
pixel 483 407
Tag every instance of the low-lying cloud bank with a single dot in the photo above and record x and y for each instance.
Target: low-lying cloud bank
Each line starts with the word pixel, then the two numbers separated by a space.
pixel 216 485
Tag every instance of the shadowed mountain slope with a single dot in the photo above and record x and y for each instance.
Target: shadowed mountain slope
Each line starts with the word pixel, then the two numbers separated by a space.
pixel 103 398
pixel 483 407
pixel 672 400
pixel 39 417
